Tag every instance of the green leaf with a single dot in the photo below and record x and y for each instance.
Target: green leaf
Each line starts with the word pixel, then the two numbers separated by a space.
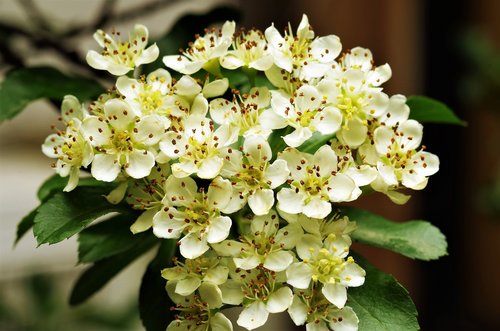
pixel 65 214
pixel 25 225
pixel 414 239
pixel 56 183
pixel 424 109
pixel 24 85
pixel 107 238
pixel 101 272
pixel 154 303
pixel 382 304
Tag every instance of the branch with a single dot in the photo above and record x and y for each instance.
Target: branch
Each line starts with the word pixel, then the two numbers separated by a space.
pixel 35 15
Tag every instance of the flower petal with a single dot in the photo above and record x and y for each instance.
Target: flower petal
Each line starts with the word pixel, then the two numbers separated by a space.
pixel 278 261
pixel 253 316
pixel 191 246
pixel 279 300
pixel 218 230
pixel 187 285
pixel 261 201
pixel 299 275
pixel 105 167
pixel 144 221
pixel 289 201
pixel 211 294
pixel 335 293
pixel 277 173
pixel 298 311
pixel 139 163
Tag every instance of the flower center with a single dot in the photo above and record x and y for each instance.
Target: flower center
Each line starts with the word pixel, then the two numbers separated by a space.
pixel 326 266
pixel 351 107
pixel 122 141
pixel 150 100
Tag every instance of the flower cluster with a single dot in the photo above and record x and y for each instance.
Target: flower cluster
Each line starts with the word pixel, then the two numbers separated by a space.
pixel 247 180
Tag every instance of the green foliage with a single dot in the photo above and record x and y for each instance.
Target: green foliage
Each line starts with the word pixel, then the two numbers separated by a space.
pixel 65 214
pixel 414 239
pixel 154 303
pixel 424 109
pixel 382 304
pixel 101 272
pixel 312 144
pixel 24 85
pixel 107 238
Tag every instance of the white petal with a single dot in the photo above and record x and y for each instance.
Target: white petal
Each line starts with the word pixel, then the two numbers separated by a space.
pixel 277 173
pixel 298 311
pixel 308 98
pixel 105 167
pixel 180 191
pixel 184 169
pixel 362 175
pixel 313 326
pixel 382 137
pixel 274 75
pixel 149 129
pixel 352 275
pixel 329 121
pixel 278 261
pixel 228 248
pixel 218 229
pixel 247 263
pixel 326 49
pixel 219 322
pixel 261 201
pixel 289 235
pixel 128 87
pixel 215 88
pixel 173 144
pixel 148 55
pixel 342 188
pixel 326 160
pixel 160 80
pixel 232 293
pixel 217 275
pixel 100 62
pixel 199 105
pixel 192 247
pixel 219 193
pixel 335 293
pixel 263 63
pixel 231 61
pixel 304 30
pixel 414 180
pixel 344 319
pixel 380 75
pixel 182 64
pixel 71 109
pixel 187 285
pixel 279 300
pixel 96 131
pixel 211 294
pixel 297 137
pixel 412 134
pixel 289 201
pixel 355 133
pixel 187 86
pixel 140 163
pixel 257 149
pixel 220 110
pixel 166 225
pixel 74 177
pixel 387 173
pixel 309 244
pixel 317 208
pixel 429 165
pixel 253 316
pixel 119 114
pixel 144 221
pixel 269 119
pixel 209 168
pixel 299 275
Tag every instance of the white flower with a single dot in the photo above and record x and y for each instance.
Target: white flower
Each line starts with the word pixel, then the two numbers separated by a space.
pixel 306 112
pixel 362 58
pixel 145 194
pixel 119 57
pixel 260 291
pixel 253 176
pixel 248 114
pixel 195 214
pixel 350 91
pixel 309 307
pixel 400 162
pixel 122 140
pixel 150 96
pixel 197 148
pixel 249 50
pixel 211 46
pixel 191 273
pixel 302 54
pixel 324 263
pixel 70 147
pixel 314 183
pixel 198 312
pixel 260 246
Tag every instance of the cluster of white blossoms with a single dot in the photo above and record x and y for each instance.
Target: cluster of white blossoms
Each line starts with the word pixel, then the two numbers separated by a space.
pixel 247 180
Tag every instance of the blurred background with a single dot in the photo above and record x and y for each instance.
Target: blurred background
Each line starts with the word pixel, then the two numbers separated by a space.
pixel 446 50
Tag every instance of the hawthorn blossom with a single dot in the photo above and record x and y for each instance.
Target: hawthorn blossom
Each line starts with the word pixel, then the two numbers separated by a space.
pixel 303 55
pixel 194 214
pixel 253 176
pixel 191 273
pixel 69 147
pixel 323 263
pixel 197 148
pixel 399 161
pixel 306 112
pixel 310 307
pixel 314 182
pixel 249 50
pixel 119 57
pixel 247 114
pixel 259 246
pixel 122 141
pixel 203 51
